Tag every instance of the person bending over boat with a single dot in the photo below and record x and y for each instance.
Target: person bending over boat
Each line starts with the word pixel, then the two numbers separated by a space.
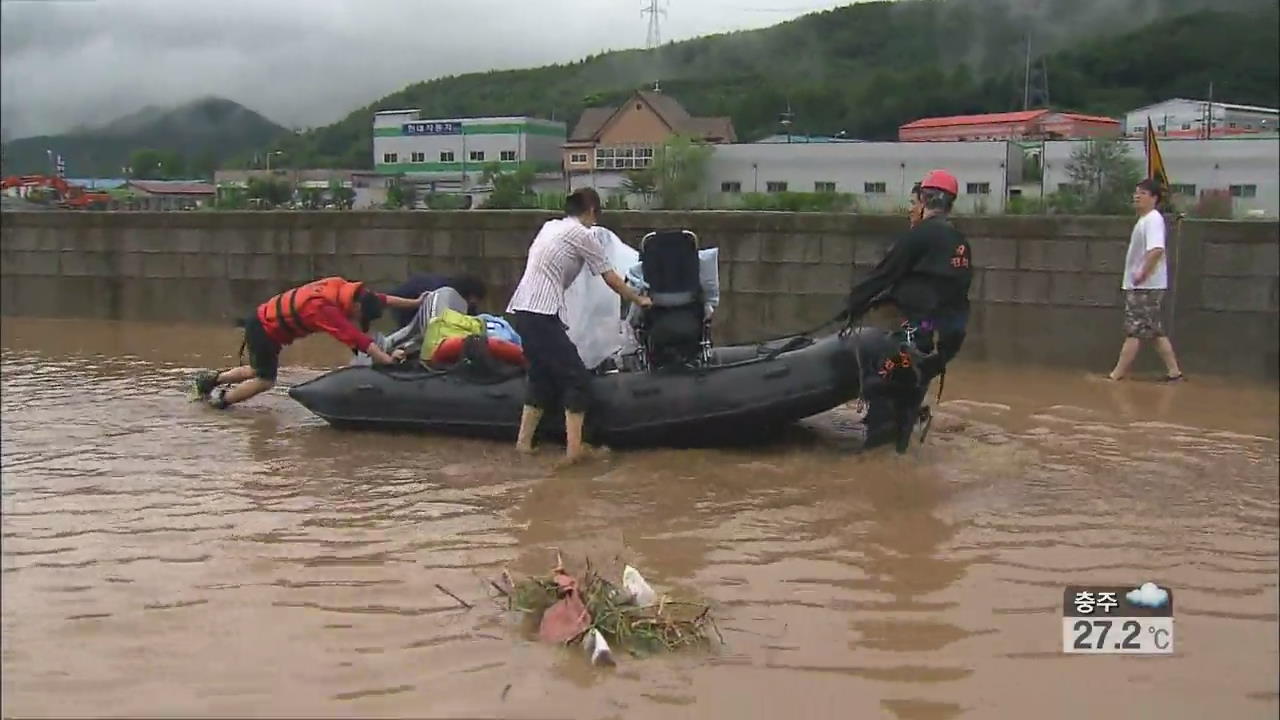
pixel 556 373
pixel 333 305
pixel 471 288
pixel 926 275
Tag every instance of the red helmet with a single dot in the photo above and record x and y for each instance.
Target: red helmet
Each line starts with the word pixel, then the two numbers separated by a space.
pixel 941 180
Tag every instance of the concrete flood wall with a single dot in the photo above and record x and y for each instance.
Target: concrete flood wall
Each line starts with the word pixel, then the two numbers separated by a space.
pixel 1046 290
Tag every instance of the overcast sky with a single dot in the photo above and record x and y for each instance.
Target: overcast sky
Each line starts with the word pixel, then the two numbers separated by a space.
pixel 65 63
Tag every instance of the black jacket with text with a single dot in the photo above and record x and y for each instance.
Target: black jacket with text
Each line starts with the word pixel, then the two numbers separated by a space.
pixel 926 273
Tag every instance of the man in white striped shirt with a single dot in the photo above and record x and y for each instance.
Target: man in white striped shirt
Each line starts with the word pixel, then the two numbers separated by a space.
pixel 556 372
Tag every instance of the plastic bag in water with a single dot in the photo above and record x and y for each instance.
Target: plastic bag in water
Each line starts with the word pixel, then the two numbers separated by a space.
pixel 639 590
pixel 597 649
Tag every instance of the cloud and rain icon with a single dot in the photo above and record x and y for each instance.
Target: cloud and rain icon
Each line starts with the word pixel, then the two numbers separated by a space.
pixel 1149 595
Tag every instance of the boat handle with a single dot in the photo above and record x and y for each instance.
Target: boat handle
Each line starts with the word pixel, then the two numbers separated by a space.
pixel 777 373
pixel 498 393
pixel 367 387
pixel 645 391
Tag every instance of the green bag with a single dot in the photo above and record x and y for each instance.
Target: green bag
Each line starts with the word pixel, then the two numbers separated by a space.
pixel 447 324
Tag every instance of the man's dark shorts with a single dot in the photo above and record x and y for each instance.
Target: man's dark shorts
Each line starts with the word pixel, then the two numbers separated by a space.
pixel 264 354
pixel 1143 316
pixel 556 372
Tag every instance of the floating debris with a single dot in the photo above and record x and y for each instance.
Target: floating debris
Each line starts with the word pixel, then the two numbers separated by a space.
pixel 634 582
pixel 590 610
pixel 597 648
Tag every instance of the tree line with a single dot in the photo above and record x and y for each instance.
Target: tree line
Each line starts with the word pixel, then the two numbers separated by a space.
pixel 866 69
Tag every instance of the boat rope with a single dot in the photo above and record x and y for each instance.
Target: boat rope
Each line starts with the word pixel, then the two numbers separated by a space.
pixel 806 332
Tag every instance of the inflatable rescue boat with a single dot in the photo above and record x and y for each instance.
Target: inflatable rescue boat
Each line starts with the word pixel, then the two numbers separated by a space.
pixel 677 390
pixel 743 391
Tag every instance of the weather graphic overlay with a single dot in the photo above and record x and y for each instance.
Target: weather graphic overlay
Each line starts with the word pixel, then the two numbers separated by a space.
pixel 1136 620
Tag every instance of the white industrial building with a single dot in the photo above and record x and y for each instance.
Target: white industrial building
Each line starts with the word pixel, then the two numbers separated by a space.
pixel 449 155
pixel 878 174
pixel 1180 117
pixel 1248 167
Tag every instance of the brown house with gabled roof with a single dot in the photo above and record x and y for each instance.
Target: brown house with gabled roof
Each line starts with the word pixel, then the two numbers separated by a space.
pixel 614 140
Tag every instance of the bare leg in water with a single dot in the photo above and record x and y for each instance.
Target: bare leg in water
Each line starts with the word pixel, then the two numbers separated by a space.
pixel 1129 352
pixel 575 449
pixel 249 385
pixel 529 419
pixel 1165 349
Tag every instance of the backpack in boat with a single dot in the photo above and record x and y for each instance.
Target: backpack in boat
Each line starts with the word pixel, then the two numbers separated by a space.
pixel 450 323
pixel 479 365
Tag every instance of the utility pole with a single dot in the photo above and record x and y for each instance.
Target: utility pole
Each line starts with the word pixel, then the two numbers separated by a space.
pixel 1026 76
pixel 1208 125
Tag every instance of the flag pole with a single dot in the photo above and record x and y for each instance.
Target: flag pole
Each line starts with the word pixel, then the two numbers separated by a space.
pixel 1156 172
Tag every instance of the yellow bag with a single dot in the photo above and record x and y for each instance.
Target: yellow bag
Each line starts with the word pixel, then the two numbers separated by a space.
pixel 447 324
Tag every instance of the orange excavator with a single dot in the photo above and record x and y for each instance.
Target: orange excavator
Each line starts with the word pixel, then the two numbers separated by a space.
pixel 54 190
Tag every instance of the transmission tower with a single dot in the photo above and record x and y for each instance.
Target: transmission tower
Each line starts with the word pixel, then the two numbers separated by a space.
pixel 655 9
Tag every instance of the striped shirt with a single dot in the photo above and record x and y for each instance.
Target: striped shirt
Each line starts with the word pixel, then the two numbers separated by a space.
pixel 555 259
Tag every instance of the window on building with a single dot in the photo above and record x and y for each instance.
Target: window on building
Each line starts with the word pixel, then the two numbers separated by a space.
pixel 477 156
pixel 389 157
pixel 978 188
pixel 418 157
pixel 1244 191
pixel 875 188
pixel 824 187
pixel 1183 189
pixel 623 158
pixel 733 186
pixel 1231 124
pixel 1186 126
pixel 578 159
pixel 776 186
pixel 508 156
pixel 446 156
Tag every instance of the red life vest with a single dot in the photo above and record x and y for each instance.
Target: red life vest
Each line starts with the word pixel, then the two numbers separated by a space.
pixel 285 316
pixel 450 349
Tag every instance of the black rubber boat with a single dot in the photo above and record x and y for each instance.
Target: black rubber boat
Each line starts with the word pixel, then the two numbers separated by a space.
pixel 744 391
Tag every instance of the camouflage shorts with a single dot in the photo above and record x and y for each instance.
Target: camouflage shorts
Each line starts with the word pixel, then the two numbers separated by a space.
pixel 1143 316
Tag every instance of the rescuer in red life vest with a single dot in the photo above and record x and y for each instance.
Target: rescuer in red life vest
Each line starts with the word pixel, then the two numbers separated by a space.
pixel 333 305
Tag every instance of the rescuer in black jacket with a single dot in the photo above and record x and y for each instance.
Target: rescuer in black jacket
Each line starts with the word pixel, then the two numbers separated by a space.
pixel 926 275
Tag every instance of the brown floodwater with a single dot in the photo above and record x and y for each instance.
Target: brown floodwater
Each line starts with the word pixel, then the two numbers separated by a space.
pixel 161 558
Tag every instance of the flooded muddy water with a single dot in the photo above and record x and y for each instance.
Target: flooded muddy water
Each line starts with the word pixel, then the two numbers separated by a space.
pixel 161 558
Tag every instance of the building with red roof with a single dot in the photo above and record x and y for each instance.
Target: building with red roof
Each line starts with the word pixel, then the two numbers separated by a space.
pixel 170 194
pixel 1042 124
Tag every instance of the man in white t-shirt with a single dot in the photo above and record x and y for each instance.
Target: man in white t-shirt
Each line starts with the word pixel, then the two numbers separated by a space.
pixel 1146 280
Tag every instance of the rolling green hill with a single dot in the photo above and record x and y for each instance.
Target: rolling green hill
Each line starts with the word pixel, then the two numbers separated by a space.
pixel 867 68
pixel 205 133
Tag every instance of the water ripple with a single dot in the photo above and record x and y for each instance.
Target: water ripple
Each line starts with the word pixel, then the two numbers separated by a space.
pixel 258 562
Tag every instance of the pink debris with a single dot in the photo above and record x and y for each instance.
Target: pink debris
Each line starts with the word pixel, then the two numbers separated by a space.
pixel 568 617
